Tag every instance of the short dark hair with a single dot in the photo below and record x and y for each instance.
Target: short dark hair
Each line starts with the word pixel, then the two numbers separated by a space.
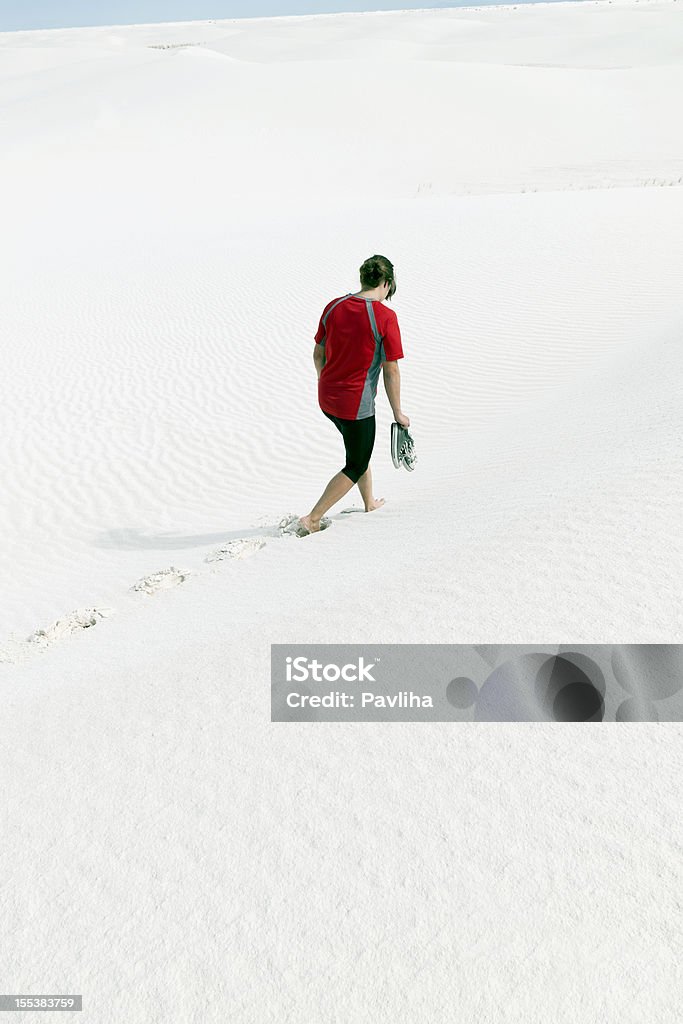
pixel 375 270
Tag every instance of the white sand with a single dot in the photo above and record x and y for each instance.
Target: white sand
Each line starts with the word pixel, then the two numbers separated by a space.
pixel 174 221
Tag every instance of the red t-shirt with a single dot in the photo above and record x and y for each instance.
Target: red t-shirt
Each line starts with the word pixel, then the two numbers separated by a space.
pixel 358 335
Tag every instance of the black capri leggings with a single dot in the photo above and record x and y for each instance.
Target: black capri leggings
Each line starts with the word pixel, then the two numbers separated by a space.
pixel 359 440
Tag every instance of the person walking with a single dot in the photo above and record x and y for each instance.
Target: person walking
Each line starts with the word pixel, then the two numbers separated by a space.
pixel 356 337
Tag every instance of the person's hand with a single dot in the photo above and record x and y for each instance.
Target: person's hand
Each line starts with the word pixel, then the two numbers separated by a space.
pixel 402 419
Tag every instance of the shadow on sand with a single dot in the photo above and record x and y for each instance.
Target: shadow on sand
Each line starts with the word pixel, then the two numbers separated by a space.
pixel 138 539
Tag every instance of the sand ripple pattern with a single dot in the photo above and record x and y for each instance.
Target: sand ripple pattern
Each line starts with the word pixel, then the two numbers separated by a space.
pixel 161 287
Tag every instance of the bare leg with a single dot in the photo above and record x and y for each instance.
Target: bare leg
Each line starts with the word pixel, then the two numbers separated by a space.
pixel 339 485
pixel 365 488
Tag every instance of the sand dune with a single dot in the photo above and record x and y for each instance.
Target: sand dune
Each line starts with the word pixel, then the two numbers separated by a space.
pixel 179 202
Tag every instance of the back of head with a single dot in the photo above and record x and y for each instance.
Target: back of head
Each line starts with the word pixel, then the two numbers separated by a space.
pixel 375 270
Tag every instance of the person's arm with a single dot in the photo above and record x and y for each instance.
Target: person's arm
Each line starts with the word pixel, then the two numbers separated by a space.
pixel 319 358
pixel 392 386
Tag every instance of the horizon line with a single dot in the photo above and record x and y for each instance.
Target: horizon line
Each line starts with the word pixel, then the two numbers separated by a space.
pixel 330 14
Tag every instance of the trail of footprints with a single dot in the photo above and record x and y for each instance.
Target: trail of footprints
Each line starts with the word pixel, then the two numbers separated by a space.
pixel 19 650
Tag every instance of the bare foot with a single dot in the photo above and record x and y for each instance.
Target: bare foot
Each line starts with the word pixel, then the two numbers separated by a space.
pixel 375 503
pixel 312 525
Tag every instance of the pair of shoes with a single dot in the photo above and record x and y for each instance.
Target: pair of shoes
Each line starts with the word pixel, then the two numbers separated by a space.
pixel 402 447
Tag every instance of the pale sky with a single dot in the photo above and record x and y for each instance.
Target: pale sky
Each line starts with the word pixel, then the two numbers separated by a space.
pixel 30 14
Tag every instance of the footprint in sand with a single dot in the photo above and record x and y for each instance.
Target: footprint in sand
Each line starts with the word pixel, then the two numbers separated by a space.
pixel 81 618
pixel 289 526
pixel 163 580
pixel 241 548
pixel 16 651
